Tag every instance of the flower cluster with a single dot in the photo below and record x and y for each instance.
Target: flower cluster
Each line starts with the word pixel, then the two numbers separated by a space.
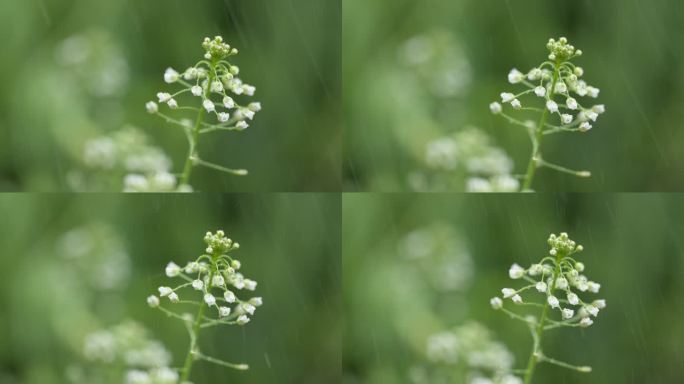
pixel 123 353
pixel 466 354
pixel 215 271
pixel 211 281
pixel 466 157
pixel 439 63
pixel 96 252
pixel 559 278
pixel 441 255
pixel 126 160
pixel 215 83
pixel 95 61
pixel 556 83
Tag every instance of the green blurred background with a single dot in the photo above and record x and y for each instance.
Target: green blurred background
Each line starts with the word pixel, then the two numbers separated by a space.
pixel 632 52
pixel 290 244
pixel 290 50
pixel 633 247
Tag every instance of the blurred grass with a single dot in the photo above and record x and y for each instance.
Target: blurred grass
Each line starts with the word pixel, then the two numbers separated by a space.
pixel 630 53
pixel 633 247
pixel 290 50
pixel 289 244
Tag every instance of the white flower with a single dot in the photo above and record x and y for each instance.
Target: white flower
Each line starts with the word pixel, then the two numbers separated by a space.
pixel 153 301
pixel 241 125
pixel 223 117
pixel 535 269
pixel 173 297
pixel 508 292
pixel 165 375
pixel 599 108
pixel 164 291
pixel 592 310
pixel 534 74
pixel 552 106
pixel 256 301
pixel 593 92
pixel 561 283
pixel 579 267
pixel 593 287
pixel 172 269
pixel 571 103
pixel 224 311
pixel 255 107
pixel 585 126
pixel 249 308
pixel 478 184
pixel 190 73
pixel 172 104
pixel 496 302
pixel 505 97
pixel 578 71
pixel 515 76
pixel 553 301
pixel 218 281
pixel 242 320
pixel 516 104
pixel 208 105
pixel 495 107
pixel 581 283
pixel 192 267
pixel 151 107
pixel 196 90
pixel 136 376
pixel 228 102
pixel 540 91
pixel 566 119
pixel 163 97
pixel 541 286
pixel 561 87
pixel 600 304
pixel 573 298
pixel 171 76
pixel 248 90
pixel 209 299
pixel 591 114
pixel 216 86
pixel 229 296
pixel 517 299
pixel 567 313
pixel 585 322
pixel 516 271
pixel 250 285
pixel 197 285
pixel 164 181
pixel 247 113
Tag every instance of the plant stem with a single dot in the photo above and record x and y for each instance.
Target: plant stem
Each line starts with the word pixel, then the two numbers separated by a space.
pixel 539 332
pixel 539 134
pixel 194 137
pixel 190 357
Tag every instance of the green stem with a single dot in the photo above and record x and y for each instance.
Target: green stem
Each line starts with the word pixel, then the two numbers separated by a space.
pixel 192 351
pixel 194 137
pixel 538 135
pixel 539 332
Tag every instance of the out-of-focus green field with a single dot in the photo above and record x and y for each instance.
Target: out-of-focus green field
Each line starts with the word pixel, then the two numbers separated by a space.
pixel 400 252
pixel 394 106
pixel 58 283
pixel 56 97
